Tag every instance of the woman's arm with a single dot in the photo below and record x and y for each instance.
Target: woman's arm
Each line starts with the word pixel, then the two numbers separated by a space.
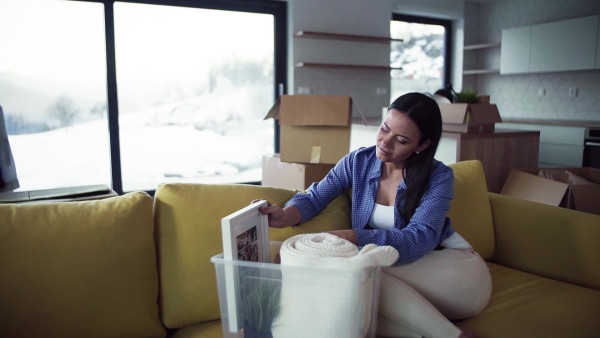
pixel 311 202
pixel 349 235
pixel 305 205
pixel 281 217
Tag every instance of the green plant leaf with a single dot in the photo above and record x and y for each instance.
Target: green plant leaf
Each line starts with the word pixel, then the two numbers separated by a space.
pixel 467 96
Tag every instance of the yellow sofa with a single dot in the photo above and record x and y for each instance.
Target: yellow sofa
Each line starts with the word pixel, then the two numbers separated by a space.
pixel 131 266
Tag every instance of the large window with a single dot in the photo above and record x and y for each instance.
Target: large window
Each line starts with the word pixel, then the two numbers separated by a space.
pixel 424 54
pixel 133 94
pixel 53 91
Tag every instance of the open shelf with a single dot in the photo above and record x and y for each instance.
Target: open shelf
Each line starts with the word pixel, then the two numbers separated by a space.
pixel 482 46
pixel 347 37
pixel 480 71
pixel 336 65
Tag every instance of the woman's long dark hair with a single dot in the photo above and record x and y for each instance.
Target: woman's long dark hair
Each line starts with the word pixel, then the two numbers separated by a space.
pixel 425 112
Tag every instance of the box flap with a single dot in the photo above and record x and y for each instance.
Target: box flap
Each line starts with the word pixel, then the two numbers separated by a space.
pixel 315 110
pixel 590 174
pixel 274 111
pixel 565 176
pixel 453 112
pixel 360 113
pixel 555 175
pixel 483 113
pixel 535 188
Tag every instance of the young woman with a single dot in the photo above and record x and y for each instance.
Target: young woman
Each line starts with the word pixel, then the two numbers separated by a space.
pixel 400 197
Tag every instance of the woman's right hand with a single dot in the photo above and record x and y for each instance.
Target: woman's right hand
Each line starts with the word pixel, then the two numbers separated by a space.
pixel 280 217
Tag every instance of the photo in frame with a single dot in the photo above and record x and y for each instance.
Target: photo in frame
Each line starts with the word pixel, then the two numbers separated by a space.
pixel 246 238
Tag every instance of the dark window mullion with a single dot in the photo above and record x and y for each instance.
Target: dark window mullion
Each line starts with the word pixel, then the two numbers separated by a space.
pixel 280 63
pixel 113 103
pixel 276 8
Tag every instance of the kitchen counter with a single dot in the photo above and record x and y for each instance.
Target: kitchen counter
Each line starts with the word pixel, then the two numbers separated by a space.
pixel 550 122
pixel 499 152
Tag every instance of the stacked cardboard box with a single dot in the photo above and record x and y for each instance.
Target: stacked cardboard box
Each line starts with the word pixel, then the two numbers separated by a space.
pixel 314 136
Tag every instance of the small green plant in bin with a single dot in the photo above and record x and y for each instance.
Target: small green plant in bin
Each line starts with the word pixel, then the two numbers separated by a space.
pixel 467 96
pixel 261 305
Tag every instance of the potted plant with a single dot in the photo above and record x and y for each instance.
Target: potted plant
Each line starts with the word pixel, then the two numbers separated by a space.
pixel 467 96
pixel 261 307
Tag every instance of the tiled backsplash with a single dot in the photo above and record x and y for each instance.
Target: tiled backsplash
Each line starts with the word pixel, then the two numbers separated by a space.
pixel 517 95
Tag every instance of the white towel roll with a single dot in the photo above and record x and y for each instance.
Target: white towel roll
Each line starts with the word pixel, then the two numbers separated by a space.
pixel 337 299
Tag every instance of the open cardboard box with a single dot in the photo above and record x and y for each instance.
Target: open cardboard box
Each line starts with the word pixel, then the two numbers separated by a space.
pixel 288 175
pixel 579 191
pixel 314 128
pixel 469 117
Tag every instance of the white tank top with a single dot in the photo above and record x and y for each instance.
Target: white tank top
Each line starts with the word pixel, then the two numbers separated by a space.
pixel 383 218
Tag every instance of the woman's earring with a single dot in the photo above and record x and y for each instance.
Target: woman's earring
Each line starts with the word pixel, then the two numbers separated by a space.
pixel 417 152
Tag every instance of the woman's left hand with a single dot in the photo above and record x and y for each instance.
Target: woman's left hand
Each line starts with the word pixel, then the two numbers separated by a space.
pixel 349 235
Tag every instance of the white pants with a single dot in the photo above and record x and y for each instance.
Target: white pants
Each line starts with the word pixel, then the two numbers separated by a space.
pixel 418 299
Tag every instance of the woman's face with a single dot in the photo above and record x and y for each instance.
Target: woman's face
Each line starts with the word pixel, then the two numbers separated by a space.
pixel 398 138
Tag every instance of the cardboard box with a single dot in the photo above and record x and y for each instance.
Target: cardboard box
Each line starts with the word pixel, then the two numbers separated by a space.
pixel 288 175
pixel 573 188
pixel 469 117
pixel 314 128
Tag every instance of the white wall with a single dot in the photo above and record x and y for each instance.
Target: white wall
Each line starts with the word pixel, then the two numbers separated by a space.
pixel 355 17
pixel 440 9
pixel 473 22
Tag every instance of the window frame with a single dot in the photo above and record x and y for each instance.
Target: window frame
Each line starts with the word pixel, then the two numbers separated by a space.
pixel 276 8
pixel 447 24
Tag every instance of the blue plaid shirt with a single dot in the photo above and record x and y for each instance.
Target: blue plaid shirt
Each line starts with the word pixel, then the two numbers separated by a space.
pixel 360 170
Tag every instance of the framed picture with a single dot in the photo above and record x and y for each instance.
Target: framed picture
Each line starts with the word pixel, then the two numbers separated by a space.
pixel 245 238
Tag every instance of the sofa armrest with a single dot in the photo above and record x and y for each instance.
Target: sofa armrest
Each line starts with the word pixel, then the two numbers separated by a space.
pixel 548 241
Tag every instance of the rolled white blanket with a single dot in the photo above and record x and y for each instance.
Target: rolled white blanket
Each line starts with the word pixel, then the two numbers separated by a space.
pixel 335 300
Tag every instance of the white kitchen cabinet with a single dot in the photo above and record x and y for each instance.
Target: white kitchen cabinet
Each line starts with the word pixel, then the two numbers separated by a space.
pixel 564 45
pixel 515 50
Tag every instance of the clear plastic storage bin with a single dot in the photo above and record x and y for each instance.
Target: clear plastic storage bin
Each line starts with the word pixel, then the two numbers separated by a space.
pixel 271 300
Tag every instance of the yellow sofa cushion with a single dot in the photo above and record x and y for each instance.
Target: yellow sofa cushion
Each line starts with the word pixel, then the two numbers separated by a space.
pixel 188 222
pixel 470 210
pixel 548 241
pixel 525 305
pixel 79 269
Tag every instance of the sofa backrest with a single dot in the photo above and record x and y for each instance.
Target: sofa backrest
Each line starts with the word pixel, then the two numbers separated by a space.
pixel 79 269
pixel 470 210
pixel 187 218
pixel 188 229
